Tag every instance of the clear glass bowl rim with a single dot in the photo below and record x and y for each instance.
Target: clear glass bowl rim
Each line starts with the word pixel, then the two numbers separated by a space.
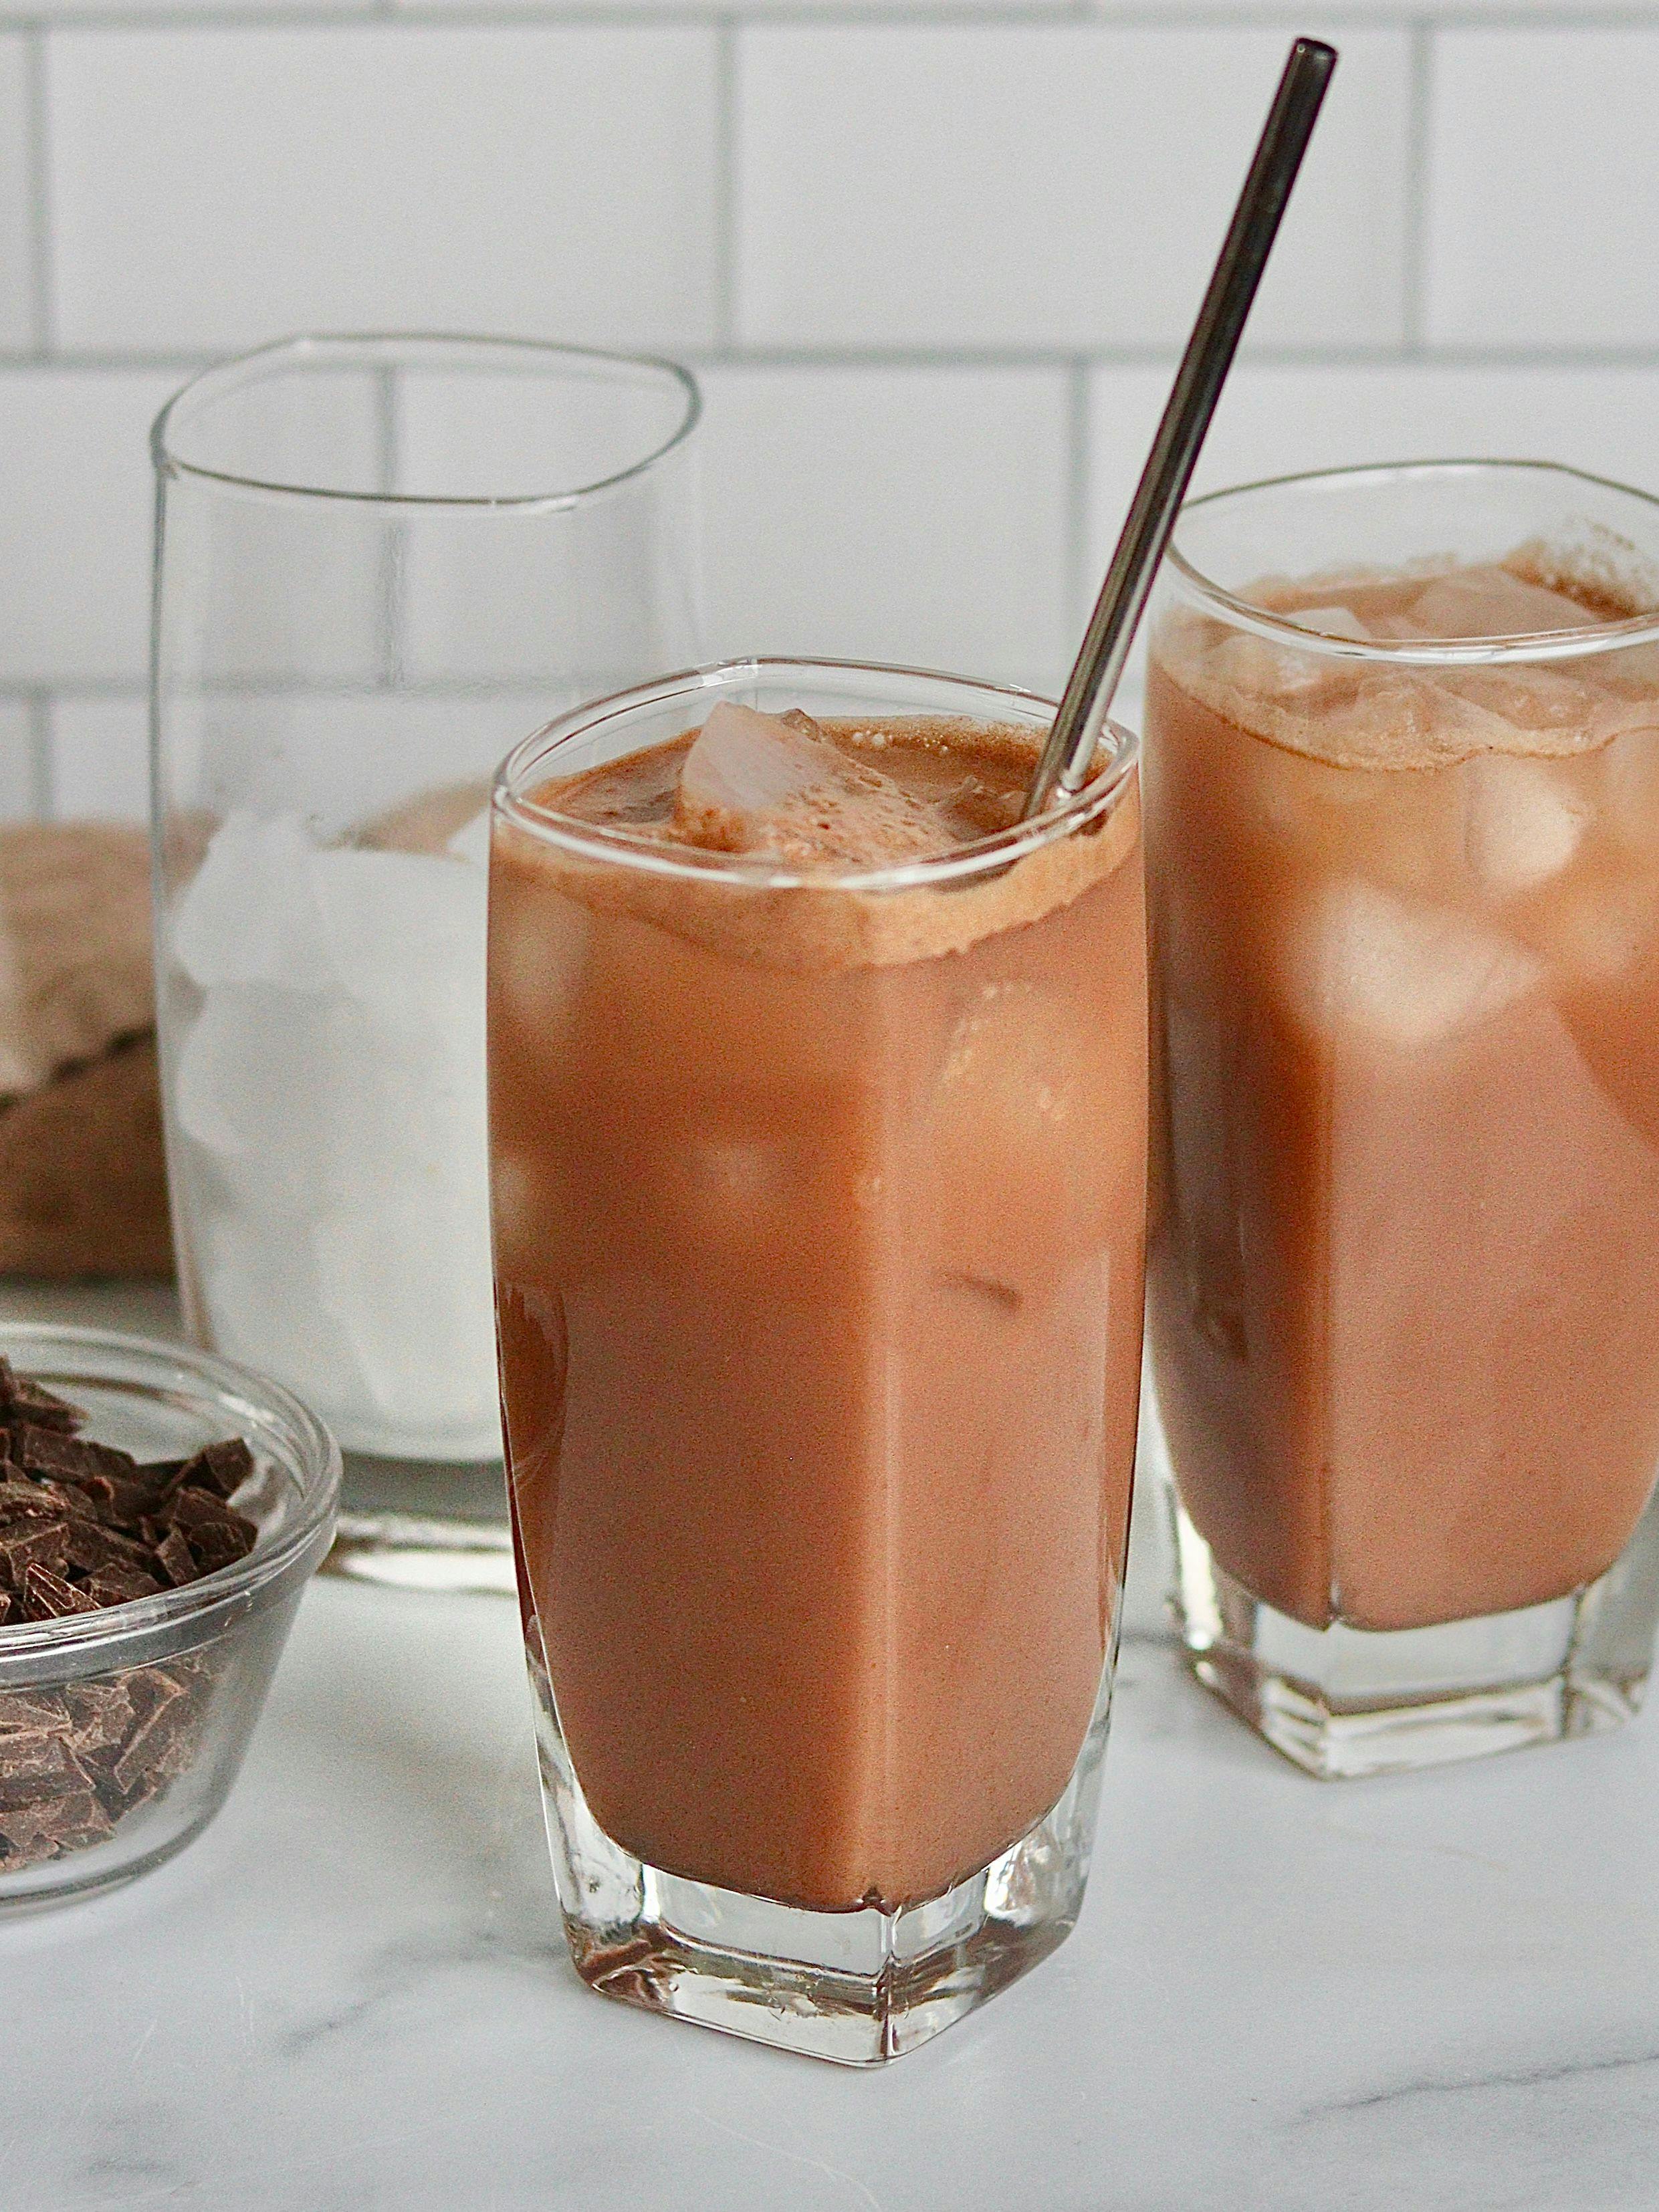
pixel 314 347
pixel 316 1458
pixel 984 856
pixel 1549 645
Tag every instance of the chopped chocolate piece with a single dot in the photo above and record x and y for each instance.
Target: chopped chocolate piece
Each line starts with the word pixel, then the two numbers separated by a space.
pixel 100 1827
pixel 39 1544
pixel 216 1544
pixel 155 1742
pixel 69 1498
pixel 7 1605
pixel 47 1597
pixel 32 1832
pixel 33 1709
pixel 162 1476
pixel 222 1468
pixel 24 1497
pixel 194 1509
pixel 21 1500
pixel 22 1398
pixel 100 1714
pixel 175 1558
pixel 118 1585
pixel 72 1459
pixel 32 1763
pixel 152 1687
pixel 121 1502
pixel 90 1498
pixel 90 1548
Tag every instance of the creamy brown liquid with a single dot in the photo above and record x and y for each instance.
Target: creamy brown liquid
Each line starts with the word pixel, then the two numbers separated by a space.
pixel 1403 1296
pixel 819 1220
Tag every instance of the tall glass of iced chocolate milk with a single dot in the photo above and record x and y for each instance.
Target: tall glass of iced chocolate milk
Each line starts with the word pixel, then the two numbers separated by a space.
pixel 818 1099
pixel 1403 810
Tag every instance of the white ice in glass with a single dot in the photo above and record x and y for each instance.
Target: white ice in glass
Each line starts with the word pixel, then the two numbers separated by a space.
pixel 330 1106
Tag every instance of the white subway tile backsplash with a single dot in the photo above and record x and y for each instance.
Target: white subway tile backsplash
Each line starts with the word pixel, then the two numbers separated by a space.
pixel 637 10
pixel 1543 191
pixel 16 214
pixel 75 546
pixel 100 758
pixel 1274 421
pixel 192 14
pixel 1050 185
pixel 907 514
pixel 211 187
pixel 848 212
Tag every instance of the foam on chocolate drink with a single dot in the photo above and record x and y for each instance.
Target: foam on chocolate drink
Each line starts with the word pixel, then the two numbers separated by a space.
pixel 1385 714
pixel 819 1199
pixel 834 812
pixel 1403 1304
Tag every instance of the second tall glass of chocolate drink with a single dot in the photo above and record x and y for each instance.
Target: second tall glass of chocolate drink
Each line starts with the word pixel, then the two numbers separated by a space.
pixel 818 1100
pixel 1402 805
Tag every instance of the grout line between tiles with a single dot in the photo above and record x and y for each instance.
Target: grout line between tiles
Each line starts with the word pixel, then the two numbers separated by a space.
pixel 1077 495
pixel 1415 273
pixel 70 362
pixel 1243 14
pixel 38 173
pixel 727 182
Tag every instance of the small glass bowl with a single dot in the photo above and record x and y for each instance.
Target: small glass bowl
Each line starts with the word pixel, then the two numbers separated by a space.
pixel 153 1700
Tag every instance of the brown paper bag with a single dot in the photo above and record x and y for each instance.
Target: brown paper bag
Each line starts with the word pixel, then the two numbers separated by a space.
pixel 83 1181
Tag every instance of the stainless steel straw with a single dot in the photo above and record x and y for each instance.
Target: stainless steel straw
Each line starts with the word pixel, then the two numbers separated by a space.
pixel 1069 753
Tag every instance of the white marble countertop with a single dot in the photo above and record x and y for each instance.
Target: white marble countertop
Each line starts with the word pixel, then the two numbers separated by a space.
pixel 350 1995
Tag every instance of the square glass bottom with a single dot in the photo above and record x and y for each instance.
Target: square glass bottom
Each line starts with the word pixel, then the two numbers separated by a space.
pixel 1343 1701
pixel 855 1987
pixel 424 1525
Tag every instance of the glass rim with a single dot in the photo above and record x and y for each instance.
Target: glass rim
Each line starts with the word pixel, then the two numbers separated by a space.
pixel 315 346
pixel 963 864
pixel 317 1472
pixel 1574 644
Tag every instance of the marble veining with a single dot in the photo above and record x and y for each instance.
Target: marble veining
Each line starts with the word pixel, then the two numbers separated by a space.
pixel 1433 1991
pixel 1429 1993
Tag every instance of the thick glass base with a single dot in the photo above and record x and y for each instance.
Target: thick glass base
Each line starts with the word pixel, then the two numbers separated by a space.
pixel 859 1987
pixel 1343 1701
pixel 424 1524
